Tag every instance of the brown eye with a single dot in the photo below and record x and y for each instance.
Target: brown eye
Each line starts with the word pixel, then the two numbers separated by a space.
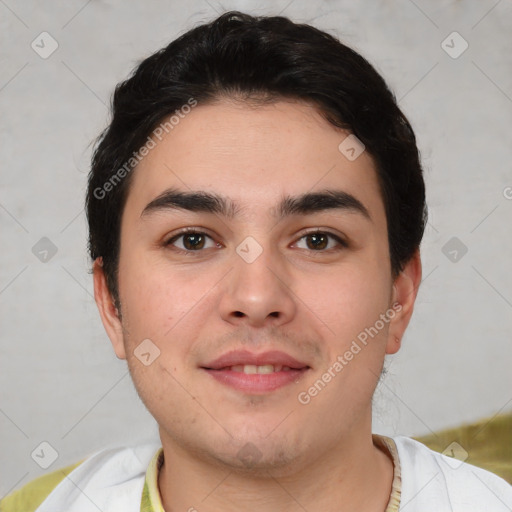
pixel 319 241
pixel 193 241
pixel 190 241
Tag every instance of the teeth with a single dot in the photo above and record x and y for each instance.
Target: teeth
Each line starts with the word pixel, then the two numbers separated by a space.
pixel 266 368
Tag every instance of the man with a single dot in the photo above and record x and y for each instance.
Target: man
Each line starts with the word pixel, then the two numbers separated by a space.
pixel 256 208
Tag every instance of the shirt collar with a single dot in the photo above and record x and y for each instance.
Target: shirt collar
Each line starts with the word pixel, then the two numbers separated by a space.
pixel 151 501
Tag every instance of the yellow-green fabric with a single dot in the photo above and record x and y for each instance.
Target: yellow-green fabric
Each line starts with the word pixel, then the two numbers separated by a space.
pixel 31 495
pixel 151 501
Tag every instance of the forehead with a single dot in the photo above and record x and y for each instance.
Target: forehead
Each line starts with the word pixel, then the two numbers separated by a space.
pixel 254 156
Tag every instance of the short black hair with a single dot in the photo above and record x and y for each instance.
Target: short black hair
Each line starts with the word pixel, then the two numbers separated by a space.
pixel 256 59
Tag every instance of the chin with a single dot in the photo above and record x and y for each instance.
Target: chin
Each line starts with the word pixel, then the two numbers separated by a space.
pixel 253 460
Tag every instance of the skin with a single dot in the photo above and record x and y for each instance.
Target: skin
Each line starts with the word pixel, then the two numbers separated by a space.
pixel 308 302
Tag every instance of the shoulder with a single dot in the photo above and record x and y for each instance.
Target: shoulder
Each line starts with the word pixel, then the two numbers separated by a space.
pixel 108 478
pixel 32 494
pixel 431 478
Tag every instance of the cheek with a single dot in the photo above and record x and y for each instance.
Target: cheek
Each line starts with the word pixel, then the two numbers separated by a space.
pixel 348 300
pixel 153 299
pixel 168 308
pixel 162 390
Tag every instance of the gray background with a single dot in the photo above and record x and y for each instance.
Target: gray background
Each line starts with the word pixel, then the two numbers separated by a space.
pixel 60 381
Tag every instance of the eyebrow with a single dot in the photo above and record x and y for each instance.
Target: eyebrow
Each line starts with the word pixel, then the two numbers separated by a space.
pixel 208 202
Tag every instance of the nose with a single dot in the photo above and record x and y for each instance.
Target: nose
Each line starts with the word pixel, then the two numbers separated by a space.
pixel 258 291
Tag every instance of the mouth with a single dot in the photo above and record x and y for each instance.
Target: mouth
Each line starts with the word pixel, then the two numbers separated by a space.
pixel 251 369
pixel 256 373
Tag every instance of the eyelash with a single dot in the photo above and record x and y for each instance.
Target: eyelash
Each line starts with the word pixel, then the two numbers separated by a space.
pixel 193 231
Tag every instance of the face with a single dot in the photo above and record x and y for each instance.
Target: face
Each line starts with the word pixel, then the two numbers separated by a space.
pixel 305 278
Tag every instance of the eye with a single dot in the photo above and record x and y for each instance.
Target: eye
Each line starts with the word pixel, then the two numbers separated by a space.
pixel 192 240
pixel 319 241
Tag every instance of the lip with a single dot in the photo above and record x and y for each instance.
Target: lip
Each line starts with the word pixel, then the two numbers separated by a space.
pixel 258 382
pixel 237 357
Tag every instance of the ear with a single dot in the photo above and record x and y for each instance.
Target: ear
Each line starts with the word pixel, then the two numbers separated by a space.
pixel 405 289
pixel 108 312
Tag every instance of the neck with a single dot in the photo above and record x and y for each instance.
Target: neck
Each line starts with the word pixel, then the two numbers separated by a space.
pixel 353 475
